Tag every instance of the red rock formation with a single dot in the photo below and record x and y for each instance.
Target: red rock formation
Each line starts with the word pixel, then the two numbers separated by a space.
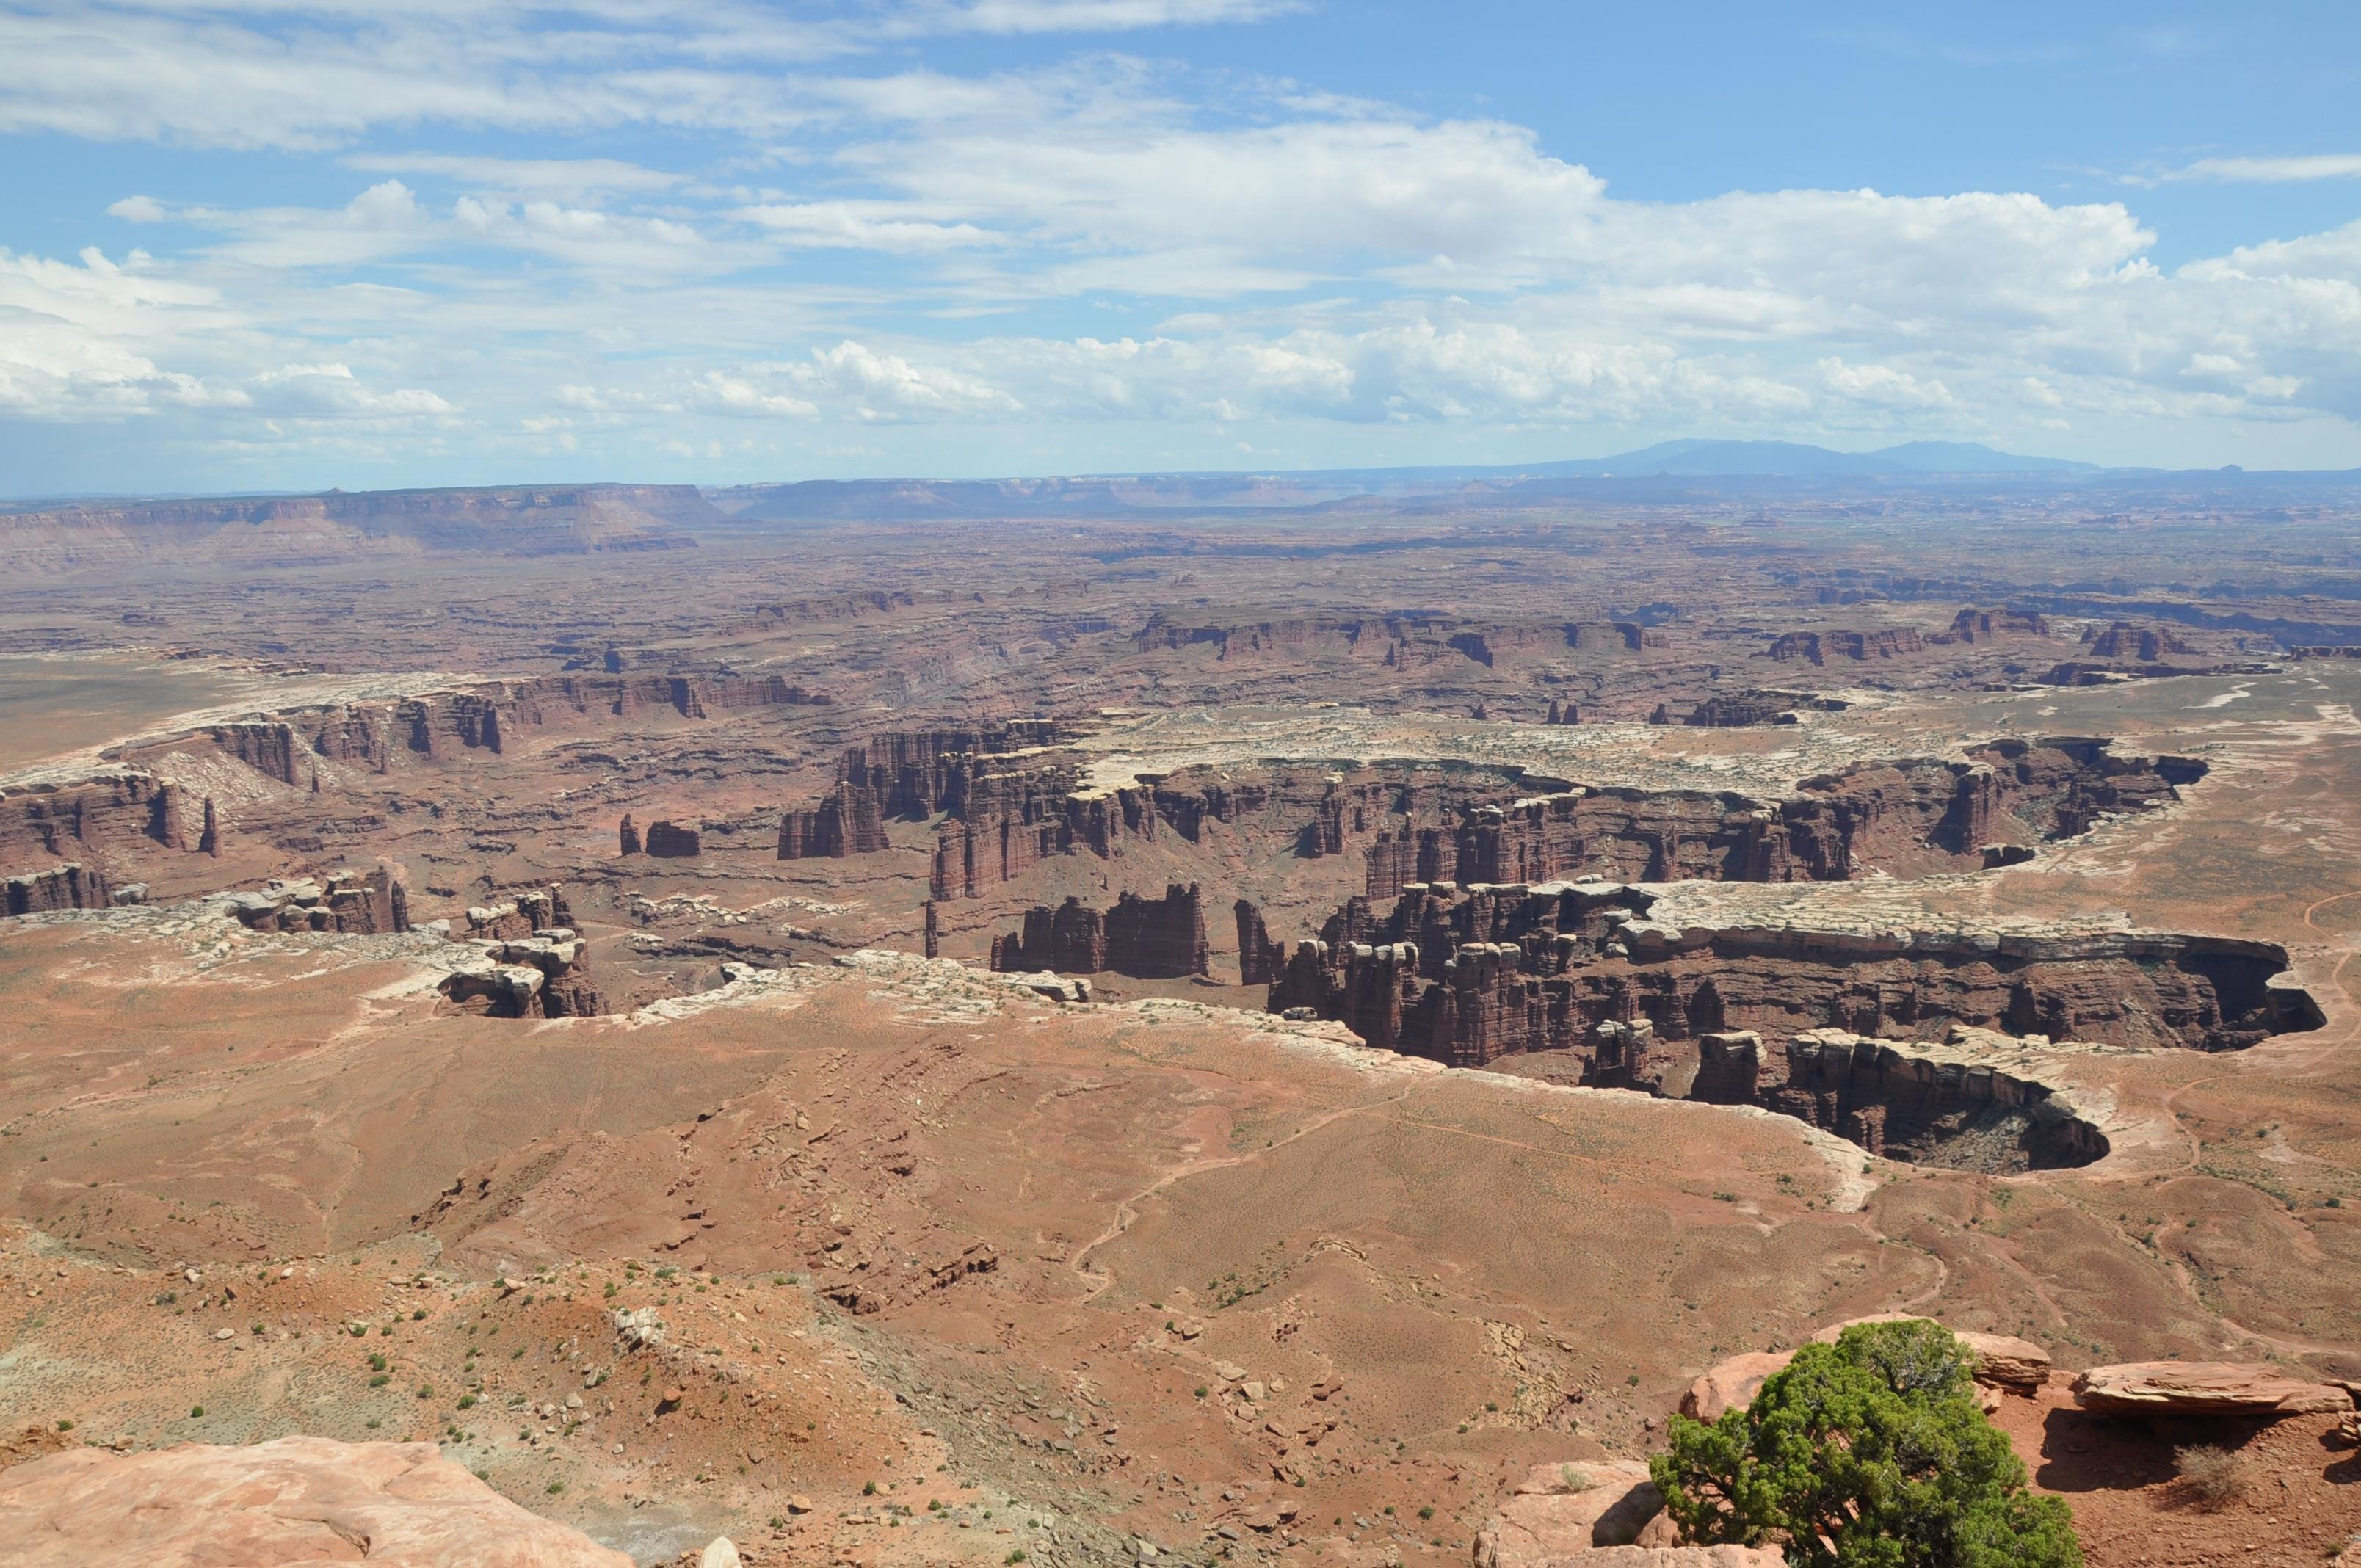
pixel 1909 813
pixel 209 837
pixel 1465 976
pixel 116 816
pixel 1260 959
pixel 2129 639
pixel 268 748
pixel 1982 625
pixel 934 931
pixel 540 966
pixel 1159 938
pixel 370 903
pixel 848 822
pixel 1895 1102
pixel 1818 647
pixel 629 835
pixel 674 840
pixel 68 886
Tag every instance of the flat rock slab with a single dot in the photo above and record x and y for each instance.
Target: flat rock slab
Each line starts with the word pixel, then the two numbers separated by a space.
pixel 2203 1389
pixel 1559 1511
pixel 292 1500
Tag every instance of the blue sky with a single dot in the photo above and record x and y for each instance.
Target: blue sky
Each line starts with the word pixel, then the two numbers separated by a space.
pixel 286 244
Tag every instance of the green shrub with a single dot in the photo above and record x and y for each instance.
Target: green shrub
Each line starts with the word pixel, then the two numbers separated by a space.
pixel 1870 1452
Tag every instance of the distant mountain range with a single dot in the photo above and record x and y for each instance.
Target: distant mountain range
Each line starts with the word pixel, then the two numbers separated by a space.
pixel 1731 458
pixel 1662 472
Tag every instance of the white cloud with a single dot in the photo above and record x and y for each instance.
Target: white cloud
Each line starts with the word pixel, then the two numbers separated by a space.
pixel 2273 171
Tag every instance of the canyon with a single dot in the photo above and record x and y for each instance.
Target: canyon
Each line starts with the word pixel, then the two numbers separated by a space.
pixel 1210 1031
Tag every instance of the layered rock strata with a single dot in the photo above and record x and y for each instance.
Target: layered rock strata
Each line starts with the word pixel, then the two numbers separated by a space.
pixel 356 903
pixel 851 821
pixel 1149 939
pixel 1910 1104
pixel 1260 959
pixel 1911 813
pixel 1467 975
pixel 69 886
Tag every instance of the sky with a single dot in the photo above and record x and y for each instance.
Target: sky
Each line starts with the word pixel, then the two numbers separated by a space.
pixel 291 244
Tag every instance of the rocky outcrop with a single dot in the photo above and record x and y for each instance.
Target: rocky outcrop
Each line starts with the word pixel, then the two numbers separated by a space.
pixel 1973 626
pixel 1732 710
pixel 1562 713
pixel 116 817
pixel 292 1499
pixel 534 912
pixel 849 822
pixel 1731 1384
pixel 2204 1389
pixel 1562 1511
pixel 69 886
pixel 627 835
pixel 268 748
pixel 912 771
pixel 1911 813
pixel 1900 1103
pixel 674 840
pixel 1819 647
pixel 1149 939
pixel 1260 959
pixel 356 904
pixel 530 961
pixel 1466 975
pixel 2129 639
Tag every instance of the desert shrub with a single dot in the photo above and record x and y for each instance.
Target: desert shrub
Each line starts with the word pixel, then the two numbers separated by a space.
pixel 1870 1452
pixel 2212 1477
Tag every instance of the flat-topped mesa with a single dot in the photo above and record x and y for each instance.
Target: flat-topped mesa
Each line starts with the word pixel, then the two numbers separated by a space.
pixel 674 840
pixel 2129 639
pixel 1162 939
pixel 69 886
pixel 1972 625
pixel 1911 816
pixel 1260 959
pixel 1926 1105
pixel 532 963
pixel 1467 975
pixel 357 904
pixel 1399 641
pixel 848 822
pixel 1819 647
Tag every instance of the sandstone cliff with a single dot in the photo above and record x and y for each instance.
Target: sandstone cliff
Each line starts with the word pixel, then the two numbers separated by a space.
pixel 1151 939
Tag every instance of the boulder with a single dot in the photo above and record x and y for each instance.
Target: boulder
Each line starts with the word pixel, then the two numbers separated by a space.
pixel 1559 1511
pixel 1732 1384
pixel 294 1499
pixel 2203 1389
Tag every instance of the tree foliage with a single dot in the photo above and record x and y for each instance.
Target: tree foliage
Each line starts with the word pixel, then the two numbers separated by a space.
pixel 1870 1452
